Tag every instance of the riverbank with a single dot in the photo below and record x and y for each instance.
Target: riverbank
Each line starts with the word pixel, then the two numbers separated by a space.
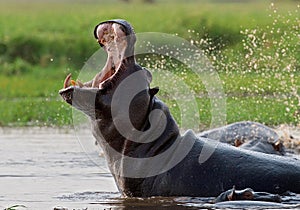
pixel 290 137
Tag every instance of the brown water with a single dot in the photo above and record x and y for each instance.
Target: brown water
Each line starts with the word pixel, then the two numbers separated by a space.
pixel 43 168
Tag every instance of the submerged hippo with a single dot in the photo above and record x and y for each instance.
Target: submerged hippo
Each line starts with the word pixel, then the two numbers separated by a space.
pixel 141 141
pixel 247 194
pixel 248 135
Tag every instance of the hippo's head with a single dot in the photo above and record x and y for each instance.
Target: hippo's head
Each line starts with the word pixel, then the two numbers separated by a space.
pixel 94 98
pixel 247 194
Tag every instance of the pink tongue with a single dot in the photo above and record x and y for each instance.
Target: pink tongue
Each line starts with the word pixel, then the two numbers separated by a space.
pixel 107 75
pixel 67 81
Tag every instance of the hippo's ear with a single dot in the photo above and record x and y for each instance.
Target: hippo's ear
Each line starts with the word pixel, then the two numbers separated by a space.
pixel 232 194
pixel 238 142
pixel 153 91
pixel 277 146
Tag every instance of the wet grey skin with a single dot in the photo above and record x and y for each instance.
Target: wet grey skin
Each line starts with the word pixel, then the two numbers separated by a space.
pixel 227 166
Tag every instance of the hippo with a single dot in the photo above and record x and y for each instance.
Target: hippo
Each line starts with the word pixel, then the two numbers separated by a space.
pixel 248 135
pixel 247 194
pixel 145 152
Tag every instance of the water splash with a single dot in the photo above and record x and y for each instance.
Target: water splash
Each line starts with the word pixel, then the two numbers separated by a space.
pixel 261 74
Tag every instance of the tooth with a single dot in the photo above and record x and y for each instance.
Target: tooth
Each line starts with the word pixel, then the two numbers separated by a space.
pixel 73 83
pixel 80 84
pixel 67 81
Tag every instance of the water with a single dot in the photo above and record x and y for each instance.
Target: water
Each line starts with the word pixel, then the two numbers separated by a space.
pixel 43 168
pixel 39 166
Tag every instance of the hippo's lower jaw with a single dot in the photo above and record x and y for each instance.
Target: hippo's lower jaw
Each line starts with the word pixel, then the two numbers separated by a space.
pixel 83 99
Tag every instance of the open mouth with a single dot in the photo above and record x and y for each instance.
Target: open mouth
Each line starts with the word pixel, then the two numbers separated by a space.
pixel 112 37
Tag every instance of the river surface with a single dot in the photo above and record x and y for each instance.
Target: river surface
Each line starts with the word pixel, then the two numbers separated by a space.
pixel 45 168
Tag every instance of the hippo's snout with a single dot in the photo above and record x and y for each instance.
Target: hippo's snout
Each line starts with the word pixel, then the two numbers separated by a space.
pixel 67 94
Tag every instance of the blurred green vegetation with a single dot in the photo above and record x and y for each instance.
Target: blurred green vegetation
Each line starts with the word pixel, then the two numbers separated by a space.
pixel 254 45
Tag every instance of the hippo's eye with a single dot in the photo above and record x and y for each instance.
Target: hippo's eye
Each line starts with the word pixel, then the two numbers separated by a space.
pixel 248 195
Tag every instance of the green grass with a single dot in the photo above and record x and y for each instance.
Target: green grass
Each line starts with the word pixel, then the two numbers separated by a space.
pixel 268 111
pixel 246 97
pixel 40 43
pixel 35 112
pixel 37 32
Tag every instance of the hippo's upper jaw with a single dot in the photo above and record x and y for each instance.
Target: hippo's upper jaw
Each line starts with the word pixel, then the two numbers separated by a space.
pixel 117 38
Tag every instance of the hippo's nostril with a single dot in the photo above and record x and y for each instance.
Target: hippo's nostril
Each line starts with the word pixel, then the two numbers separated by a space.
pixel 67 94
pixel 68 97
